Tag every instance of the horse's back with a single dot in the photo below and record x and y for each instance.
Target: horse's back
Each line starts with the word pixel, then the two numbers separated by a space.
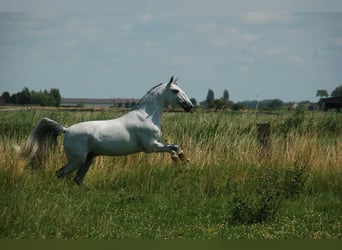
pixel 109 137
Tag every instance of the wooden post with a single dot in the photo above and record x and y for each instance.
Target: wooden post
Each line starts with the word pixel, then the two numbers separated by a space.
pixel 264 138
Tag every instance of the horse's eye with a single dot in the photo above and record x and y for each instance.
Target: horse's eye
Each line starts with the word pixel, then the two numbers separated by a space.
pixel 175 91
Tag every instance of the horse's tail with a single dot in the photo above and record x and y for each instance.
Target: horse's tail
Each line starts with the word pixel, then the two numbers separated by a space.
pixel 43 135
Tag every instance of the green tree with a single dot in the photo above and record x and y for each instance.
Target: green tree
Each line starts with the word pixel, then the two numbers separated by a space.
pixel 274 104
pixel 219 104
pixel 15 98
pixel 47 99
pixel 322 93
pixel 337 91
pixel 57 96
pixel 238 106
pixel 7 97
pixel 24 96
pixel 43 98
pixel 210 98
pixel 226 96
pixel 194 101
pixel 36 97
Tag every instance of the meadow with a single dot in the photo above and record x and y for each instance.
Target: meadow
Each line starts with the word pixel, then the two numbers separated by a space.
pixel 230 189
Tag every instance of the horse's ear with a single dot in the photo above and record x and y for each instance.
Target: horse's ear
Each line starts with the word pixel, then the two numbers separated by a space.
pixel 175 82
pixel 170 82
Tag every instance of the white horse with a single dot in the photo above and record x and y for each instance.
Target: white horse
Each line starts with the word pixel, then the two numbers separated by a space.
pixel 137 131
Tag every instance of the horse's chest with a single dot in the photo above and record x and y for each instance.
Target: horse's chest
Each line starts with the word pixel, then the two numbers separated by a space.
pixel 149 131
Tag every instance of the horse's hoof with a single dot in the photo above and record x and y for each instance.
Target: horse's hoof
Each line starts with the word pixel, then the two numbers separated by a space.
pixel 175 159
pixel 59 173
pixel 183 158
pixel 80 184
pixel 77 181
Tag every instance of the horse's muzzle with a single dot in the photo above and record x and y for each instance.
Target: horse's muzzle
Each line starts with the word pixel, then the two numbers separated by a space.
pixel 187 106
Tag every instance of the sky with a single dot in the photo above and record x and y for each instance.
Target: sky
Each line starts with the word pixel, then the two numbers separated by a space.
pixel 286 50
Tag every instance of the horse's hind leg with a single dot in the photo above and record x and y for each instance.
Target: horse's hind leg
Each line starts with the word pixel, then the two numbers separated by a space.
pixel 68 168
pixel 83 170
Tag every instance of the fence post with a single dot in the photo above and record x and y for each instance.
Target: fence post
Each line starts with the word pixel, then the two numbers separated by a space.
pixel 264 138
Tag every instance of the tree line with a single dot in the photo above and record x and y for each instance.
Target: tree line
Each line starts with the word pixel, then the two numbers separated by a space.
pixel 27 97
pixel 53 98
pixel 269 104
pixel 224 103
pixel 221 103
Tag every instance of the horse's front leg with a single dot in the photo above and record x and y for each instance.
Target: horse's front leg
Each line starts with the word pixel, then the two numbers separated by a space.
pixel 176 152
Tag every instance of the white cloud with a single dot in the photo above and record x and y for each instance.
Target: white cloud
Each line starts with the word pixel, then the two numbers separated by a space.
pixel 248 37
pixel 221 37
pixel 83 28
pixel 297 59
pixel 219 40
pixel 208 27
pixel 235 34
pixel 266 17
pixel 145 18
pixel 275 51
pixel 235 38
pixel 46 15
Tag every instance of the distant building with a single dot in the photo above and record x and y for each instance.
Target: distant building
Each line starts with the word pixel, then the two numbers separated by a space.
pixel 93 102
pixel 292 105
pixel 332 103
pixel 308 105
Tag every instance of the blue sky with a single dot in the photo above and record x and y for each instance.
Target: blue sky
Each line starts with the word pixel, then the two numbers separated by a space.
pixel 270 51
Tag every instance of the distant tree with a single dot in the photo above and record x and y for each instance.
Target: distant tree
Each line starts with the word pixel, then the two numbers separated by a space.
pixel 7 97
pixel 275 104
pixel 219 104
pixel 249 104
pixel 42 98
pixel 337 91
pixel 36 97
pixel 226 96
pixel 322 93
pixel 238 106
pixel 194 101
pixel 57 96
pixel 24 96
pixel 210 98
pixel 15 98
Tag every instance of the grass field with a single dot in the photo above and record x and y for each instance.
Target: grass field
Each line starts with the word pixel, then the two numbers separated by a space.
pixel 228 190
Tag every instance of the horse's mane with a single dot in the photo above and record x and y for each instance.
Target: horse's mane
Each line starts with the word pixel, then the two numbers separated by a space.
pixel 152 89
pixel 148 93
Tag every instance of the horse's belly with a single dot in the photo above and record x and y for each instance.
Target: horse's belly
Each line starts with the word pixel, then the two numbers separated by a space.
pixel 114 149
pixel 111 138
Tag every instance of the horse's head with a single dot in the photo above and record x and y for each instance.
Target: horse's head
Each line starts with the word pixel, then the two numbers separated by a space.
pixel 176 96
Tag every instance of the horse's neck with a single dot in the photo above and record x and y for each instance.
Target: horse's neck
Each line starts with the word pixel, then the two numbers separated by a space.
pixel 153 106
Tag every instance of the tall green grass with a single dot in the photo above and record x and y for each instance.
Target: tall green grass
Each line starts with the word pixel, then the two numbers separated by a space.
pixel 227 190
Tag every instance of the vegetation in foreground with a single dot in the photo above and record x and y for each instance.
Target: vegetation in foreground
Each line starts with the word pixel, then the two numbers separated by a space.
pixel 230 189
